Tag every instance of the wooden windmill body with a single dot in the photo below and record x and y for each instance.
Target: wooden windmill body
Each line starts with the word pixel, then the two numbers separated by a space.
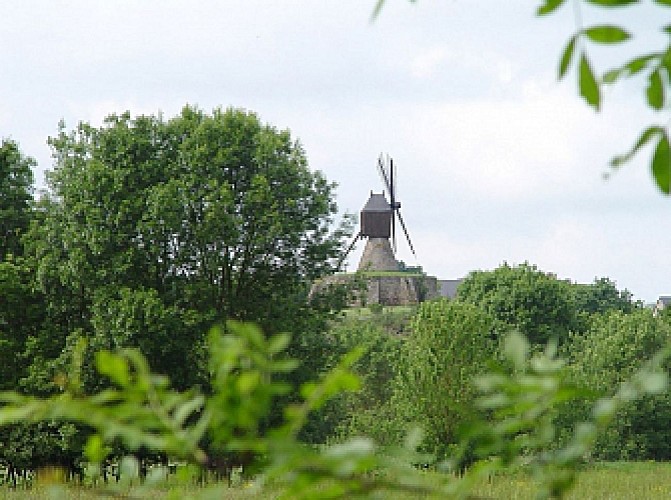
pixel 376 220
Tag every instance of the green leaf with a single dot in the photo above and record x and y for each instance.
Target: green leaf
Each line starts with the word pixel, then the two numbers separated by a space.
pixel 612 3
pixel 661 165
pixel 667 29
pixel 188 408
pixel 604 409
pixel 248 381
pixel 278 343
pixel 549 6
pixel 95 449
pixel 611 76
pixel 377 10
pixel 567 55
pixel 607 34
pixel 516 347
pixel 284 365
pixel 114 366
pixel 639 63
pixel 666 60
pixel 666 3
pixel 655 383
pixel 655 90
pixel 644 138
pixel 589 88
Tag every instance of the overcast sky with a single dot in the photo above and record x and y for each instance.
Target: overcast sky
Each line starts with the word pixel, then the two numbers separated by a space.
pixel 497 161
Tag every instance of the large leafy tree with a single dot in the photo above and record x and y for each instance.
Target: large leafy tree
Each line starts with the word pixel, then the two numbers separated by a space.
pixel 450 344
pixel 16 194
pixel 603 295
pixel 599 297
pixel 614 348
pixel 151 222
pixel 21 317
pixel 523 298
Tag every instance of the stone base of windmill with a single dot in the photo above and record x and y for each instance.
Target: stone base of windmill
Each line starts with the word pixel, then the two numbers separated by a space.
pixel 379 279
pixel 387 288
pixel 378 256
pixel 391 291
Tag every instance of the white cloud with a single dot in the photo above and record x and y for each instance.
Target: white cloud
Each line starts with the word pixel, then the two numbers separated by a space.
pixel 425 64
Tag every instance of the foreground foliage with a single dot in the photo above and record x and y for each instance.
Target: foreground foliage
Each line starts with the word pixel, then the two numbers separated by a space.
pixel 521 398
pixel 653 67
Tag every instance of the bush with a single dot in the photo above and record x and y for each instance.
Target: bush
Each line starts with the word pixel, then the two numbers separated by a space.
pixel 368 411
pixel 450 344
pixel 614 348
pixel 524 298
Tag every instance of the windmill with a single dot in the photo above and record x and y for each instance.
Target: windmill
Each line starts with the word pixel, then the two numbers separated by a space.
pixel 378 224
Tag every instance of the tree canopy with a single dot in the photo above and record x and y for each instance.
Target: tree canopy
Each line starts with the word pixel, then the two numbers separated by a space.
pixel 524 298
pixel 153 229
pixel 16 194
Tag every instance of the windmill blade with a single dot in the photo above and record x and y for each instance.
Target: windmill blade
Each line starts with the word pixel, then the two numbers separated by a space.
pixel 349 249
pixel 392 202
pixel 393 232
pixel 392 185
pixel 393 182
pixel 383 172
pixel 405 230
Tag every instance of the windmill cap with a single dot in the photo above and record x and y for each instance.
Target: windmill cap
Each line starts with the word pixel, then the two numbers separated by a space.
pixel 376 203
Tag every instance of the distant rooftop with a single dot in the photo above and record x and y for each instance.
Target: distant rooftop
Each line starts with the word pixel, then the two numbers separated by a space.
pixel 448 288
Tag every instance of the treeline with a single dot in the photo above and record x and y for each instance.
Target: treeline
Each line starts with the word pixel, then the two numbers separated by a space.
pixel 424 376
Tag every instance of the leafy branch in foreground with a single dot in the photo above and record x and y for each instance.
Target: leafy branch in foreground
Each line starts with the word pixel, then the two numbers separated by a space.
pixel 520 403
pixel 523 402
pixel 654 67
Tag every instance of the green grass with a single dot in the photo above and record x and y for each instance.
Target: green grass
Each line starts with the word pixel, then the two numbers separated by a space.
pixel 608 481
pixel 366 312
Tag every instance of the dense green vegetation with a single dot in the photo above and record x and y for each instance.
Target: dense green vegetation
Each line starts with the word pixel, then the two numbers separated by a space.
pixel 604 335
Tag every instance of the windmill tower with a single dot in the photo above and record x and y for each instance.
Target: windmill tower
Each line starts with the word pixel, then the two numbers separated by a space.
pixel 378 224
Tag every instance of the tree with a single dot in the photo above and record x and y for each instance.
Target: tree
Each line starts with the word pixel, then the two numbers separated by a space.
pixel 524 298
pixel 171 337
pixel 370 411
pixel 16 194
pixel 21 318
pixel 150 223
pixel 599 297
pixel 450 344
pixel 603 295
pixel 612 351
pixel 654 67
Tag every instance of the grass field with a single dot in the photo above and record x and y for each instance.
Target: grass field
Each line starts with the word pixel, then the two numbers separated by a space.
pixel 610 481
